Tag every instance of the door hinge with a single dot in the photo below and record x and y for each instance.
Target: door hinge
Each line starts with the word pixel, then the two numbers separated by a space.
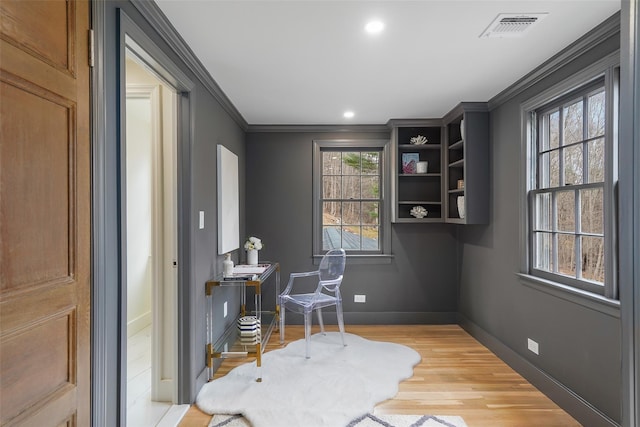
pixel 91 48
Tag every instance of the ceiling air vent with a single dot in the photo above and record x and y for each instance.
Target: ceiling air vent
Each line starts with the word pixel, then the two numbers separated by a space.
pixel 512 24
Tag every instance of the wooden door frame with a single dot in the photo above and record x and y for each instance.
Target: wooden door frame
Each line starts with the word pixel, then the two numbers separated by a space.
pixel 108 93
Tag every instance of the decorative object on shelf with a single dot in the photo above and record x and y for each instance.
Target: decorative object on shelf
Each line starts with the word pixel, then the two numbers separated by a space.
pixel 418 211
pixel 249 325
pixel 252 245
pixel 227 266
pixel 249 330
pixel 409 161
pixel 421 167
pixel 462 129
pixel 460 202
pixel 418 140
pixel 461 184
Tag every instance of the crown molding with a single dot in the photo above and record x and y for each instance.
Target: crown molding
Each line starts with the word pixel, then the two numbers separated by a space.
pixel 317 128
pixel 607 29
pixel 154 15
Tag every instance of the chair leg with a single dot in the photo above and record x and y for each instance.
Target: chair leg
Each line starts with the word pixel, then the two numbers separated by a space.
pixel 319 312
pixel 340 321
pixel 307 332
pixel 282 310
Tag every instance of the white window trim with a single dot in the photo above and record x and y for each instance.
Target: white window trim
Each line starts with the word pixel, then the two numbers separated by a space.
pixel 383 256
pixel 606 67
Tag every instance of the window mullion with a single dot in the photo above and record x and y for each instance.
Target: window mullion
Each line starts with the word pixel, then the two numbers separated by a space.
pixel 554 232
pixel 578 230
pixel 585 137
pixel 561 131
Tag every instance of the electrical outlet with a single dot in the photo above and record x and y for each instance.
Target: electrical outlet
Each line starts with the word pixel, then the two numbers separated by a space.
pixel 224 309
pixel 201 220
pixel 359 298
pixel 532 346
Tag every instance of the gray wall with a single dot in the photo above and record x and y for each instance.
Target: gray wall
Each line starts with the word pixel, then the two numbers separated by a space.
pixel 419 285
pixel 579 346
pixel 213 126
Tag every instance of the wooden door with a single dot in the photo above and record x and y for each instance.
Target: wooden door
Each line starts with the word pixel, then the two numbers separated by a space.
pixel 45 206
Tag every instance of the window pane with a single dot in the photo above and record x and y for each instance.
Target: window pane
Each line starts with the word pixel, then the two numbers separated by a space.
pixel 596 160
pixel 331 238
pixel 543 171
pixel 549 170
pixel 565 210
pixel 554 169
pixel 351 187
pixel 573 165
pixel 370 213
pixel 351 163
pixel 543 212
pixel 370 238
pixel 554 129
pixel 544 251
pixel 331 163
pixel 331 187
pixel 593 258
pixel 572 125
pixel 591 210
pixel 351 238
pixel 596 114
pixel 566 255
pixel 370 187
pixel 371 163
pixel 351 213
pixel 331 214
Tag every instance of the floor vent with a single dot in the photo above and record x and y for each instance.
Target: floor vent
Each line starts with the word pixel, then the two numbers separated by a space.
pixel 512 24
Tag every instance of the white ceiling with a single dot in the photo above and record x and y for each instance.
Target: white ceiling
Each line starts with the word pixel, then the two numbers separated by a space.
pixel 306 61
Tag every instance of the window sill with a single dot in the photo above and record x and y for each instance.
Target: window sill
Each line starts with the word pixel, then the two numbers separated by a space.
pixel 361 259
pixel 577 296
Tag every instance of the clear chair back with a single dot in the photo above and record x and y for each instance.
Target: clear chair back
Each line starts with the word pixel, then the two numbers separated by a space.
pixel 332 265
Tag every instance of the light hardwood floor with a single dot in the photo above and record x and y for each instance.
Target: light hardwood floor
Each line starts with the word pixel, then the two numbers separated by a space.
pixel 457 376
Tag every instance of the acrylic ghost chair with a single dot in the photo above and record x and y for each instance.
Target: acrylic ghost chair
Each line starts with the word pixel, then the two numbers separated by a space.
pixel 327 293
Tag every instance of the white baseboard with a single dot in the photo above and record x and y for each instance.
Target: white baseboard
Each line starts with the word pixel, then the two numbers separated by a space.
pixel 139 323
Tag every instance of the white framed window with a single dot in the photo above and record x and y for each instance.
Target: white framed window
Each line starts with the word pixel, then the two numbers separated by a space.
pixel 350 192
pixel 570 174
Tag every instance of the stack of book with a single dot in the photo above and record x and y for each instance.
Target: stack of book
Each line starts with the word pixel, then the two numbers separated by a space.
pixel 249 330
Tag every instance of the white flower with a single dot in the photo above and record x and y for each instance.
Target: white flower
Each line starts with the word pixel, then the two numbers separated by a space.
pixel 253 243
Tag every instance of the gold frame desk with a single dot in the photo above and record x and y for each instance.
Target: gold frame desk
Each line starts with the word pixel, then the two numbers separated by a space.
pixel 228 345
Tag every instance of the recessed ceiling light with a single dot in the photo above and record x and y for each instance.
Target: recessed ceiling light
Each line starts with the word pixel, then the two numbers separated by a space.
pixel 348 114
pixel 374 27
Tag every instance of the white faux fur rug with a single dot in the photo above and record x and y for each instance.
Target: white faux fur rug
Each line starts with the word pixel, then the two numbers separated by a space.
pixel 335 386
pixel 368 420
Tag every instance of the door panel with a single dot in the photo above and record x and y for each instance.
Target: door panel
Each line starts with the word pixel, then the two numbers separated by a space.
pixel 44 214
pixel 23 24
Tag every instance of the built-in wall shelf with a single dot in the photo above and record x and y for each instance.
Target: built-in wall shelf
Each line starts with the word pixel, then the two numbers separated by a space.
pixel 466 152
pixel 455 187
pixel 411 187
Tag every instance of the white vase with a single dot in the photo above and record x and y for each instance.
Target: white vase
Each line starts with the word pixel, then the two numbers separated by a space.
pixel 252 256
pixel 460 202
pixel 227 266
pixel 422 167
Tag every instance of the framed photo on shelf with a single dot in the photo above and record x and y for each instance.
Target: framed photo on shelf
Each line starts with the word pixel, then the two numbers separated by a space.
pixel 409 161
